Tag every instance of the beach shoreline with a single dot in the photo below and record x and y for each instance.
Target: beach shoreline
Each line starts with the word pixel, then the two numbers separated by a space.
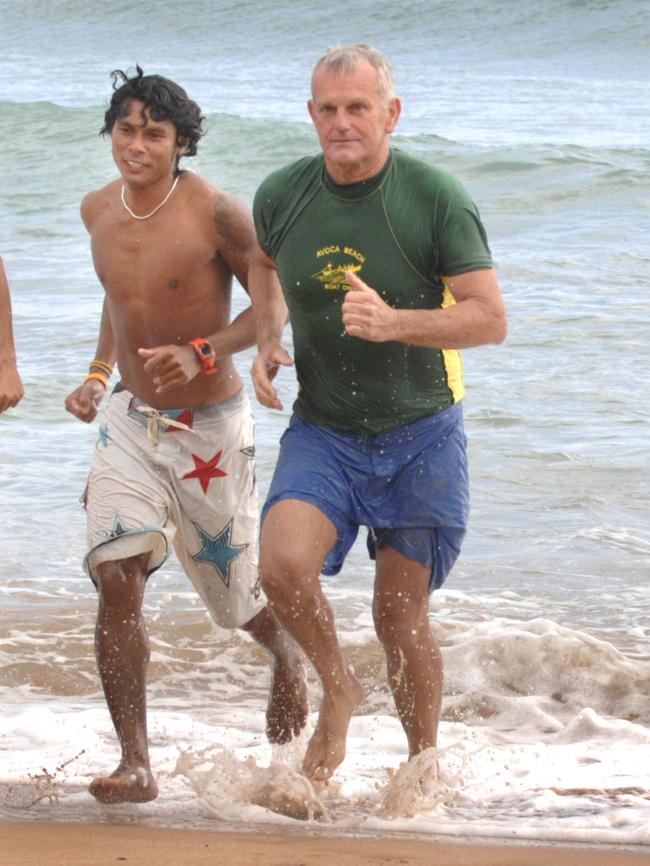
pixel 28 844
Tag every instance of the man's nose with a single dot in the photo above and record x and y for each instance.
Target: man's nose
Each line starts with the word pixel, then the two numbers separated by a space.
pixel 342 119
pixel 137 143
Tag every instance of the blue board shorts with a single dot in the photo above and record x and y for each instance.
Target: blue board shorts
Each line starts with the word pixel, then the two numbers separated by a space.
pixel 409 486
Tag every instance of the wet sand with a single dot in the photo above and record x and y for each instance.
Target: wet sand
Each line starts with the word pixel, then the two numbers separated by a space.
pixel 101 845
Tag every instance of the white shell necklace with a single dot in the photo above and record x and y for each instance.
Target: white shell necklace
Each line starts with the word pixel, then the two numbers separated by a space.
pixel 156 209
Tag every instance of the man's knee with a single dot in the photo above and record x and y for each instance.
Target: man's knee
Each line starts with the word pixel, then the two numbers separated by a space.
pixel 398 617
pixel 283 571
pixel 296 537
pixel 121 582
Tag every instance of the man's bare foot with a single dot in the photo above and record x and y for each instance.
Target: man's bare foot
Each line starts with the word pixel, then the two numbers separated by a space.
pixel 125 785
pixel 326 749
pixel 288 707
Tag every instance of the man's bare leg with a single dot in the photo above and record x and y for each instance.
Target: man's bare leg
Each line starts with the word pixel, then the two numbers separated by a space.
pixel 288 707
pixel 122 649
pixel 413 659
pixel 294 542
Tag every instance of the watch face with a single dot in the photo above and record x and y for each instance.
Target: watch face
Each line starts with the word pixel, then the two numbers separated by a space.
pixel 206 349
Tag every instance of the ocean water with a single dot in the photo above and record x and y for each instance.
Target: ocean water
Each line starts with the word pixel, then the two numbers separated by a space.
pixel 541 111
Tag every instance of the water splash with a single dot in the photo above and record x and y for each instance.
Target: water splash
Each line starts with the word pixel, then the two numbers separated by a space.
pixel 431 779
pixel 219 779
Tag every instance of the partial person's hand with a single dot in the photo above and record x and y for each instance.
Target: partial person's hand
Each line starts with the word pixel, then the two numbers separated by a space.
pixel 170 366
pixel 263 372
pixel 11 389
pixel 365 313
pixel 85 400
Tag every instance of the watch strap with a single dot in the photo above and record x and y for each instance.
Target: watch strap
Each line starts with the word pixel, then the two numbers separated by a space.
pixel 206 355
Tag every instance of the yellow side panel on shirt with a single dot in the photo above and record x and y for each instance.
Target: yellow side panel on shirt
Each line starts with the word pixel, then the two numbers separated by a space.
pixel 452 358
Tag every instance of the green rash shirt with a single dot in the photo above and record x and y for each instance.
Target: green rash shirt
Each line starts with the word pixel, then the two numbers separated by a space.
pixel 400 232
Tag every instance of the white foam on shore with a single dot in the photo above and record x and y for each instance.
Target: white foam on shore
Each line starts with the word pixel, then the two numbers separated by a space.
pixel 586 781
pixel 545 735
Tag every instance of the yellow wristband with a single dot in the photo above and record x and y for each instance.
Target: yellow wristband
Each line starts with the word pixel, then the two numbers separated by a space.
pixel 100 377
pixel 103 365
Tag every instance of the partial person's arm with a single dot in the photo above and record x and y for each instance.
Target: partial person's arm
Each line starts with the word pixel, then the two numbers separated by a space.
pixel 271 316
pixel 85 400
pixel 478 316
pixel 11 387
pixel 174 365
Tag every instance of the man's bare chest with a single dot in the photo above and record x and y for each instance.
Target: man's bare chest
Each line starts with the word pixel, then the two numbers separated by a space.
pixel 141 262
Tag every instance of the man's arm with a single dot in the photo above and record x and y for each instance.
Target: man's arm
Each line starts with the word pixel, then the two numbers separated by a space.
pixel 478 316
pixel 11 387
pixel 270 317
pixel 237 246
pixel 86 399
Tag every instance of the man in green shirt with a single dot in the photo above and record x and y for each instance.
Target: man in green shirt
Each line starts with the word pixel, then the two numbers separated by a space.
pixel 386 274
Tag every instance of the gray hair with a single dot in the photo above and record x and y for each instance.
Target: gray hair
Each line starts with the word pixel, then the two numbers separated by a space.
pixel 343 59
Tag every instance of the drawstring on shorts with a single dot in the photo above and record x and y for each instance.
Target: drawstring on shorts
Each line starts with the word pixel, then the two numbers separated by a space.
pixel 158 419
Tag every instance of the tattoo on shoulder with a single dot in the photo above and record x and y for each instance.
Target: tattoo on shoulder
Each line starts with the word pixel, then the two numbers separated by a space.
pixel 233 222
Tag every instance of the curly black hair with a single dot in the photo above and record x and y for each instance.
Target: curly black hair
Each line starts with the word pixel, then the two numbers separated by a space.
pixel 163 99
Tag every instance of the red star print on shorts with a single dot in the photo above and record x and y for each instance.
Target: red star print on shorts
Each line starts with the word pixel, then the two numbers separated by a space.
pixel 204 472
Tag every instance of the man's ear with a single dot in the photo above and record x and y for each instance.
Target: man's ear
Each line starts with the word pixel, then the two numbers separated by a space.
pixel 394 111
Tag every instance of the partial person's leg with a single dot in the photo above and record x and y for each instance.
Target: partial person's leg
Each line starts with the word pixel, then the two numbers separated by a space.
pixel 413 659
pixel 122 650
pixel 288 706
pixel 295 539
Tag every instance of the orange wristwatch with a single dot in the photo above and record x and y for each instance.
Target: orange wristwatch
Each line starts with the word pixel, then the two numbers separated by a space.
pixel 206 354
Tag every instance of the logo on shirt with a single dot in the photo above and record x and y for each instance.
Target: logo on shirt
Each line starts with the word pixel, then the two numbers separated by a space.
pixel 332 276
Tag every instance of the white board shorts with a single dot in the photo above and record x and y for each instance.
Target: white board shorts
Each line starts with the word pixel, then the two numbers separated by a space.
pixel 184 477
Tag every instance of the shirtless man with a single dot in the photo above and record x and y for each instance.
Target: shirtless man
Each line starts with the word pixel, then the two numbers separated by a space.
pixel 174 459
pixel 11 387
